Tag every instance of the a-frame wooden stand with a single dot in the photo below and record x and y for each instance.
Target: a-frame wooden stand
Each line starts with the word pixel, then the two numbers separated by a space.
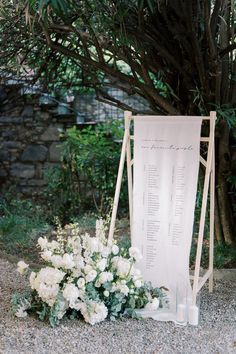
pixel 208 189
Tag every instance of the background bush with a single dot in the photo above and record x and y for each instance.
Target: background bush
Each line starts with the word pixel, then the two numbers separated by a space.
pixel 86 178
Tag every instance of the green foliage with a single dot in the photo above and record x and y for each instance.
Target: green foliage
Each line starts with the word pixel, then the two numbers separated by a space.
pixel 21 223
pixel 86 178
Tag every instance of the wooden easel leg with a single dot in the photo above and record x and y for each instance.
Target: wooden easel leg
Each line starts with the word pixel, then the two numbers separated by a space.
pixel 212 210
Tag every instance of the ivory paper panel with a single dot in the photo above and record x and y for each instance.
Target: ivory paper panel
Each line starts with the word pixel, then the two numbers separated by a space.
pixel 166 164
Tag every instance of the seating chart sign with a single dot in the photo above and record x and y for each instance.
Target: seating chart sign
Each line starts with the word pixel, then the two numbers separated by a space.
pixel 166 164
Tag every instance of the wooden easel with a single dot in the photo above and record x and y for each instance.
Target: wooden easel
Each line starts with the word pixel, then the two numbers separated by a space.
pixel 208 188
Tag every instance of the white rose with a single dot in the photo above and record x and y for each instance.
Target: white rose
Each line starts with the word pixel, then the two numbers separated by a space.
pixel 115 249
pixel 102 264
pixel 81 283
pixel 135 254
pixel 106 293
pixel 122 265
pixel 91 276
pixel 71 293
pixel 21 267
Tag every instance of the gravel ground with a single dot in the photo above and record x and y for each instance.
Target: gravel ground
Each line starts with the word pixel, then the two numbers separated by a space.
pixel 215 334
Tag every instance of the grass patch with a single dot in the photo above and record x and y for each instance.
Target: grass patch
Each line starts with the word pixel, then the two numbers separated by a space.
pixel 21 223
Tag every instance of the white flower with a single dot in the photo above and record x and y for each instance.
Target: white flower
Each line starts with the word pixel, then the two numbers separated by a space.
pixel 23 306
pixel 124 289
pixel 115 249
pixel 91 276
pixel 42 242
pixel 48 293
pixel 46 283
pixel 53 245
pixel 105 251
pixel 81 283
pixel 105 276
pixel 94 312
pixel 122 265
pixel 102 264
pixel 153 304
pixel 138 283
pixel 100 229
pixel 79 261
pixel 135 254
pixel 120 287
pixel 71 293
pixel 67 261
pixel 106 293
pixel 88 268
pixel 32 280
pixel 93 244
pixel 46 255
pixel 21 312
pixel 51 275
pixel 57 261
pixel 21 267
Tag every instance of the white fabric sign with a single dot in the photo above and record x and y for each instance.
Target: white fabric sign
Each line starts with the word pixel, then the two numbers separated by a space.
pixel 166 164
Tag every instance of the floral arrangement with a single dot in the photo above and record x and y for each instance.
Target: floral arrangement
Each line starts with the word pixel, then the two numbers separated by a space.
pixel 85 276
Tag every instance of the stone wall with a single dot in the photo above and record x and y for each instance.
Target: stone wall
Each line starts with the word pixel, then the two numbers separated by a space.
pixel 29 141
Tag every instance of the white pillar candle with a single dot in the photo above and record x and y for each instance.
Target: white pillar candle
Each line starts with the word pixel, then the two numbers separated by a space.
pixel 181 313
pixel 193 315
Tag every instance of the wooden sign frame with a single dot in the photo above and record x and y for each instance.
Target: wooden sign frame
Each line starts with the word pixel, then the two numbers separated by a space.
pixel 208 190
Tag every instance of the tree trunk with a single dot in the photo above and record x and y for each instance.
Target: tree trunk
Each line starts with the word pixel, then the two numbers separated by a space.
pixel 225 213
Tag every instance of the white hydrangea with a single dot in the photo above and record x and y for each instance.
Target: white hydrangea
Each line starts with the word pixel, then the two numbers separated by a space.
pixel 21 267
pixel 48 292
pixel 46 283
pixel 153 304
pixel 71 293
pixel 135 253
pixel 94 312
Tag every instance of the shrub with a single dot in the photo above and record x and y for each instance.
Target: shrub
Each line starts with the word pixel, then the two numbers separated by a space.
pixel 86 178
